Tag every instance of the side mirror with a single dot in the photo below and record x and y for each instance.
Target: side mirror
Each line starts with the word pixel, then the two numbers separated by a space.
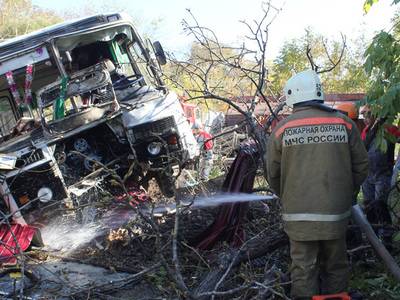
pixel 159 52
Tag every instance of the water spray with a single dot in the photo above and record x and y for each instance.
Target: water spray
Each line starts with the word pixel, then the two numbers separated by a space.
pixel 205 202
pixel 67 237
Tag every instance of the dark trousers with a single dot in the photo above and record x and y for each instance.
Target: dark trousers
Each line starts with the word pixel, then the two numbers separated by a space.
pixel 318 267
pixel 376 191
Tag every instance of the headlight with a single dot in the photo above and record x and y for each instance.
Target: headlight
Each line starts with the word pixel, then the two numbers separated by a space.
pixel 45 194
pixel 154 148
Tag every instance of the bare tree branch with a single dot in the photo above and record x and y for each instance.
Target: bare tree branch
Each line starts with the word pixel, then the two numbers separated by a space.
pixel 333 63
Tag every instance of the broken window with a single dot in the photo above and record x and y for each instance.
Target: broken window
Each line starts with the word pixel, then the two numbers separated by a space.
pixel 87 97
pixel 143 67
pixel 8 119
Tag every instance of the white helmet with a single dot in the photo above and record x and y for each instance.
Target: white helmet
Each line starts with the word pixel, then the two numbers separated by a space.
pixel 302 87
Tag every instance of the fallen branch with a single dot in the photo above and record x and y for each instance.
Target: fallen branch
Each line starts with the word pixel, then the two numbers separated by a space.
pixel 359 248
pixel 253 249
pixel 115 284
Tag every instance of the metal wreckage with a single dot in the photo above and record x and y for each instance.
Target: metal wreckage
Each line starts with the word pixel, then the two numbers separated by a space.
pixel 93 104
pixel 93 99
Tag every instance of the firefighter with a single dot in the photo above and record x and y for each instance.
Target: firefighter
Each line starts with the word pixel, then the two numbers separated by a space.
pixel 376 187
pixel 316 161
pixel 351 110
pixel 205 143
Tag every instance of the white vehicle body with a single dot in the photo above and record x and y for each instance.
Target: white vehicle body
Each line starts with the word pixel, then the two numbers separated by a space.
pixel 159 108
pixel 98 96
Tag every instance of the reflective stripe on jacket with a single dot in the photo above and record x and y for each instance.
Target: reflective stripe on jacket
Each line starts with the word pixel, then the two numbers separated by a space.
pixel 315 162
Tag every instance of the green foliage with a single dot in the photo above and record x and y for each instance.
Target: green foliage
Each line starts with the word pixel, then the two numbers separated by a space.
pixel 383 68
pixel 368 4
pixel 19 17
pixel 374 283
pixel 346 77
pixel 209 67
pixel 291 59
pixel 159 279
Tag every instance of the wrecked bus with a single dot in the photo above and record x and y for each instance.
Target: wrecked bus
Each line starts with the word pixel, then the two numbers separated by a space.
pixel 82 95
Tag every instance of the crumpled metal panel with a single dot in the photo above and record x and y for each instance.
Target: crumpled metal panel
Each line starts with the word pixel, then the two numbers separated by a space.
pixel 13 239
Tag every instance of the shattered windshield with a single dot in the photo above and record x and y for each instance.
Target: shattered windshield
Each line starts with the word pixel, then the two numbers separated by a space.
pixel 142 64
pixel 118 48
pixel 18 91
pixel 8 119
pixel 83 98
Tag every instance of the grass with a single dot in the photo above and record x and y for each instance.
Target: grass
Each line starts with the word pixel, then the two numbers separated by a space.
pixel 373 280
pixel 369 275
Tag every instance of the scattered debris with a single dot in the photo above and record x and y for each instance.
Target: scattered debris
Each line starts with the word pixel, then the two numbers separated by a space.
pixel 107 174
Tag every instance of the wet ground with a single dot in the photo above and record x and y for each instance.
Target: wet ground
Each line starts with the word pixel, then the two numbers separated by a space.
pixel 103 245
pixel 96 255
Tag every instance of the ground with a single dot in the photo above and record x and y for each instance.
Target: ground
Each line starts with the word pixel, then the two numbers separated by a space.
pixel 122 243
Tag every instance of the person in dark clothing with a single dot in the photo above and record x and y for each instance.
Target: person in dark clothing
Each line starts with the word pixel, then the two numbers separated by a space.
pixel 376 187
pixel 316 162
